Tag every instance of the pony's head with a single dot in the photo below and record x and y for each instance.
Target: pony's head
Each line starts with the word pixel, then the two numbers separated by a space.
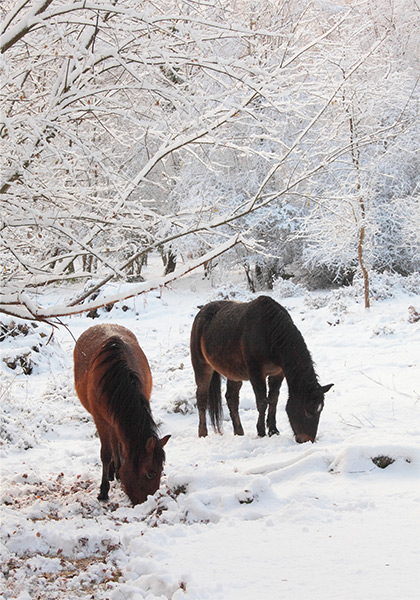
pixel 141 478
pixel 304 411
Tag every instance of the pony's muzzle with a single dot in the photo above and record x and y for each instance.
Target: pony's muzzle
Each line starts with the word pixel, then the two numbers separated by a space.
pixel 301 438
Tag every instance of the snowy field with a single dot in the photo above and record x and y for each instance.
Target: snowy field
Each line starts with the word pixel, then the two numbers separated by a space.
pixel 236 518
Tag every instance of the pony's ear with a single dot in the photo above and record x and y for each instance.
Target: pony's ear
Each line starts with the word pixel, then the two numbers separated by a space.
pixel 326 388
pixel 150 445
pixel 164 440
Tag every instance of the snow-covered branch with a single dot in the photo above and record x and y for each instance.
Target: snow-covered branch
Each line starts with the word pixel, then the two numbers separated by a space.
pixel 23 306
pixel 130 128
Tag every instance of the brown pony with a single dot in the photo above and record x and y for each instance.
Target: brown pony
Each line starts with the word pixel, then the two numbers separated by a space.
pixel 254 341
pixel 114 383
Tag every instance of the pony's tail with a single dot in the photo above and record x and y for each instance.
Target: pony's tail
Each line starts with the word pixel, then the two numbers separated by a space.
pixel 215 402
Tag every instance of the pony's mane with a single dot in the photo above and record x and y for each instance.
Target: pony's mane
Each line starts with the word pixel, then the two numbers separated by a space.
pixel 122 388
pixel 286 340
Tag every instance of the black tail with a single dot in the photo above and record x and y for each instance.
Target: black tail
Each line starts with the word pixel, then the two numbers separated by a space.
pixel 215 402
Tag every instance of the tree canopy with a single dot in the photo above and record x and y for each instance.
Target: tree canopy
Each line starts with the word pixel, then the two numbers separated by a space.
pixel 265 133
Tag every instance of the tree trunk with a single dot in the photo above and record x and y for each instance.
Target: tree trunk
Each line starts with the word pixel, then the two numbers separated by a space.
pixel 362 230
pixel 360 248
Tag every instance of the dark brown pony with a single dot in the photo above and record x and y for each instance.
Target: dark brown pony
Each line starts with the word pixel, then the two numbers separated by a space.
pixel 250 342
pixel 114 383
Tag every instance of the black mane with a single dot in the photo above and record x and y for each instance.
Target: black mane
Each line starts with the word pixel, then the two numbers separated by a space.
pixel 287 343
pixel 122 388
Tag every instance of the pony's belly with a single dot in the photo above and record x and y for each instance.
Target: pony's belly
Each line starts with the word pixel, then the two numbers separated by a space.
pixel 233 375
pixel 236 369
pixel 273 370
pixel 231 369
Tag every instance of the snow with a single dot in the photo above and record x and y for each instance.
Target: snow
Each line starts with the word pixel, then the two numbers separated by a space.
pixel 235 517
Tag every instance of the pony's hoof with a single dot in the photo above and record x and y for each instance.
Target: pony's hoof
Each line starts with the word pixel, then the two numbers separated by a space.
pixel 273 432
pixel 103 497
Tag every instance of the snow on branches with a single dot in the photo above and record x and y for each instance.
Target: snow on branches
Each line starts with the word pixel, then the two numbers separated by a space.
pixel 172 126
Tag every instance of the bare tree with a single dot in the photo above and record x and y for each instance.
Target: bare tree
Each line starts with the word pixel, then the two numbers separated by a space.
pixel 357 201
pixel 132 127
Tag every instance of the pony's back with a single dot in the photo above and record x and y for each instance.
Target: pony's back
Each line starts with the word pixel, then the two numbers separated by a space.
pixel 91 352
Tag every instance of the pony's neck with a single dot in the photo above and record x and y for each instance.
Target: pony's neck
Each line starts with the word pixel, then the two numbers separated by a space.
pixel 305 379
pixel 136 428
pixel 296 362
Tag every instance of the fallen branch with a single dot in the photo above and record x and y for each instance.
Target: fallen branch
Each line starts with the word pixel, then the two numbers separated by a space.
pixel 23 307
pixel 392 389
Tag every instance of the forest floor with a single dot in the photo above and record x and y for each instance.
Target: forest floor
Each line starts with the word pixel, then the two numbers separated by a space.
pixel 236 518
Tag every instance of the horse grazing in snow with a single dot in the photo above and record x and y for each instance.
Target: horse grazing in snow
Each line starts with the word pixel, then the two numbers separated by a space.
pixel 253 341
pixel 114 383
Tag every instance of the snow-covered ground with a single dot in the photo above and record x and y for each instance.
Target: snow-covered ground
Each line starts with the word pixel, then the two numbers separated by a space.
pixel 236 518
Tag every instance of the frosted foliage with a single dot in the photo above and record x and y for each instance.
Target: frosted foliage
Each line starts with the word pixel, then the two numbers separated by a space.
pixel 199 128
pixel 374 186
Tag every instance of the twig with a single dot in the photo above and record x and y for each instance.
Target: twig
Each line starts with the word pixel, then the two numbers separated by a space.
pixel 416 395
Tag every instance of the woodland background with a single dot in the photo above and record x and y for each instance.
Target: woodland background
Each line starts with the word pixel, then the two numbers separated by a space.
pixel 280 138
pixel 272 144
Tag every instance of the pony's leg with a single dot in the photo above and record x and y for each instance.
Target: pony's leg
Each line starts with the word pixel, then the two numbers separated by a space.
pixel 203 379
pixel 274 383
pixel 232 398
pixel 116 458
pixel 111 471
pixel 260 391
pixel 105 435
